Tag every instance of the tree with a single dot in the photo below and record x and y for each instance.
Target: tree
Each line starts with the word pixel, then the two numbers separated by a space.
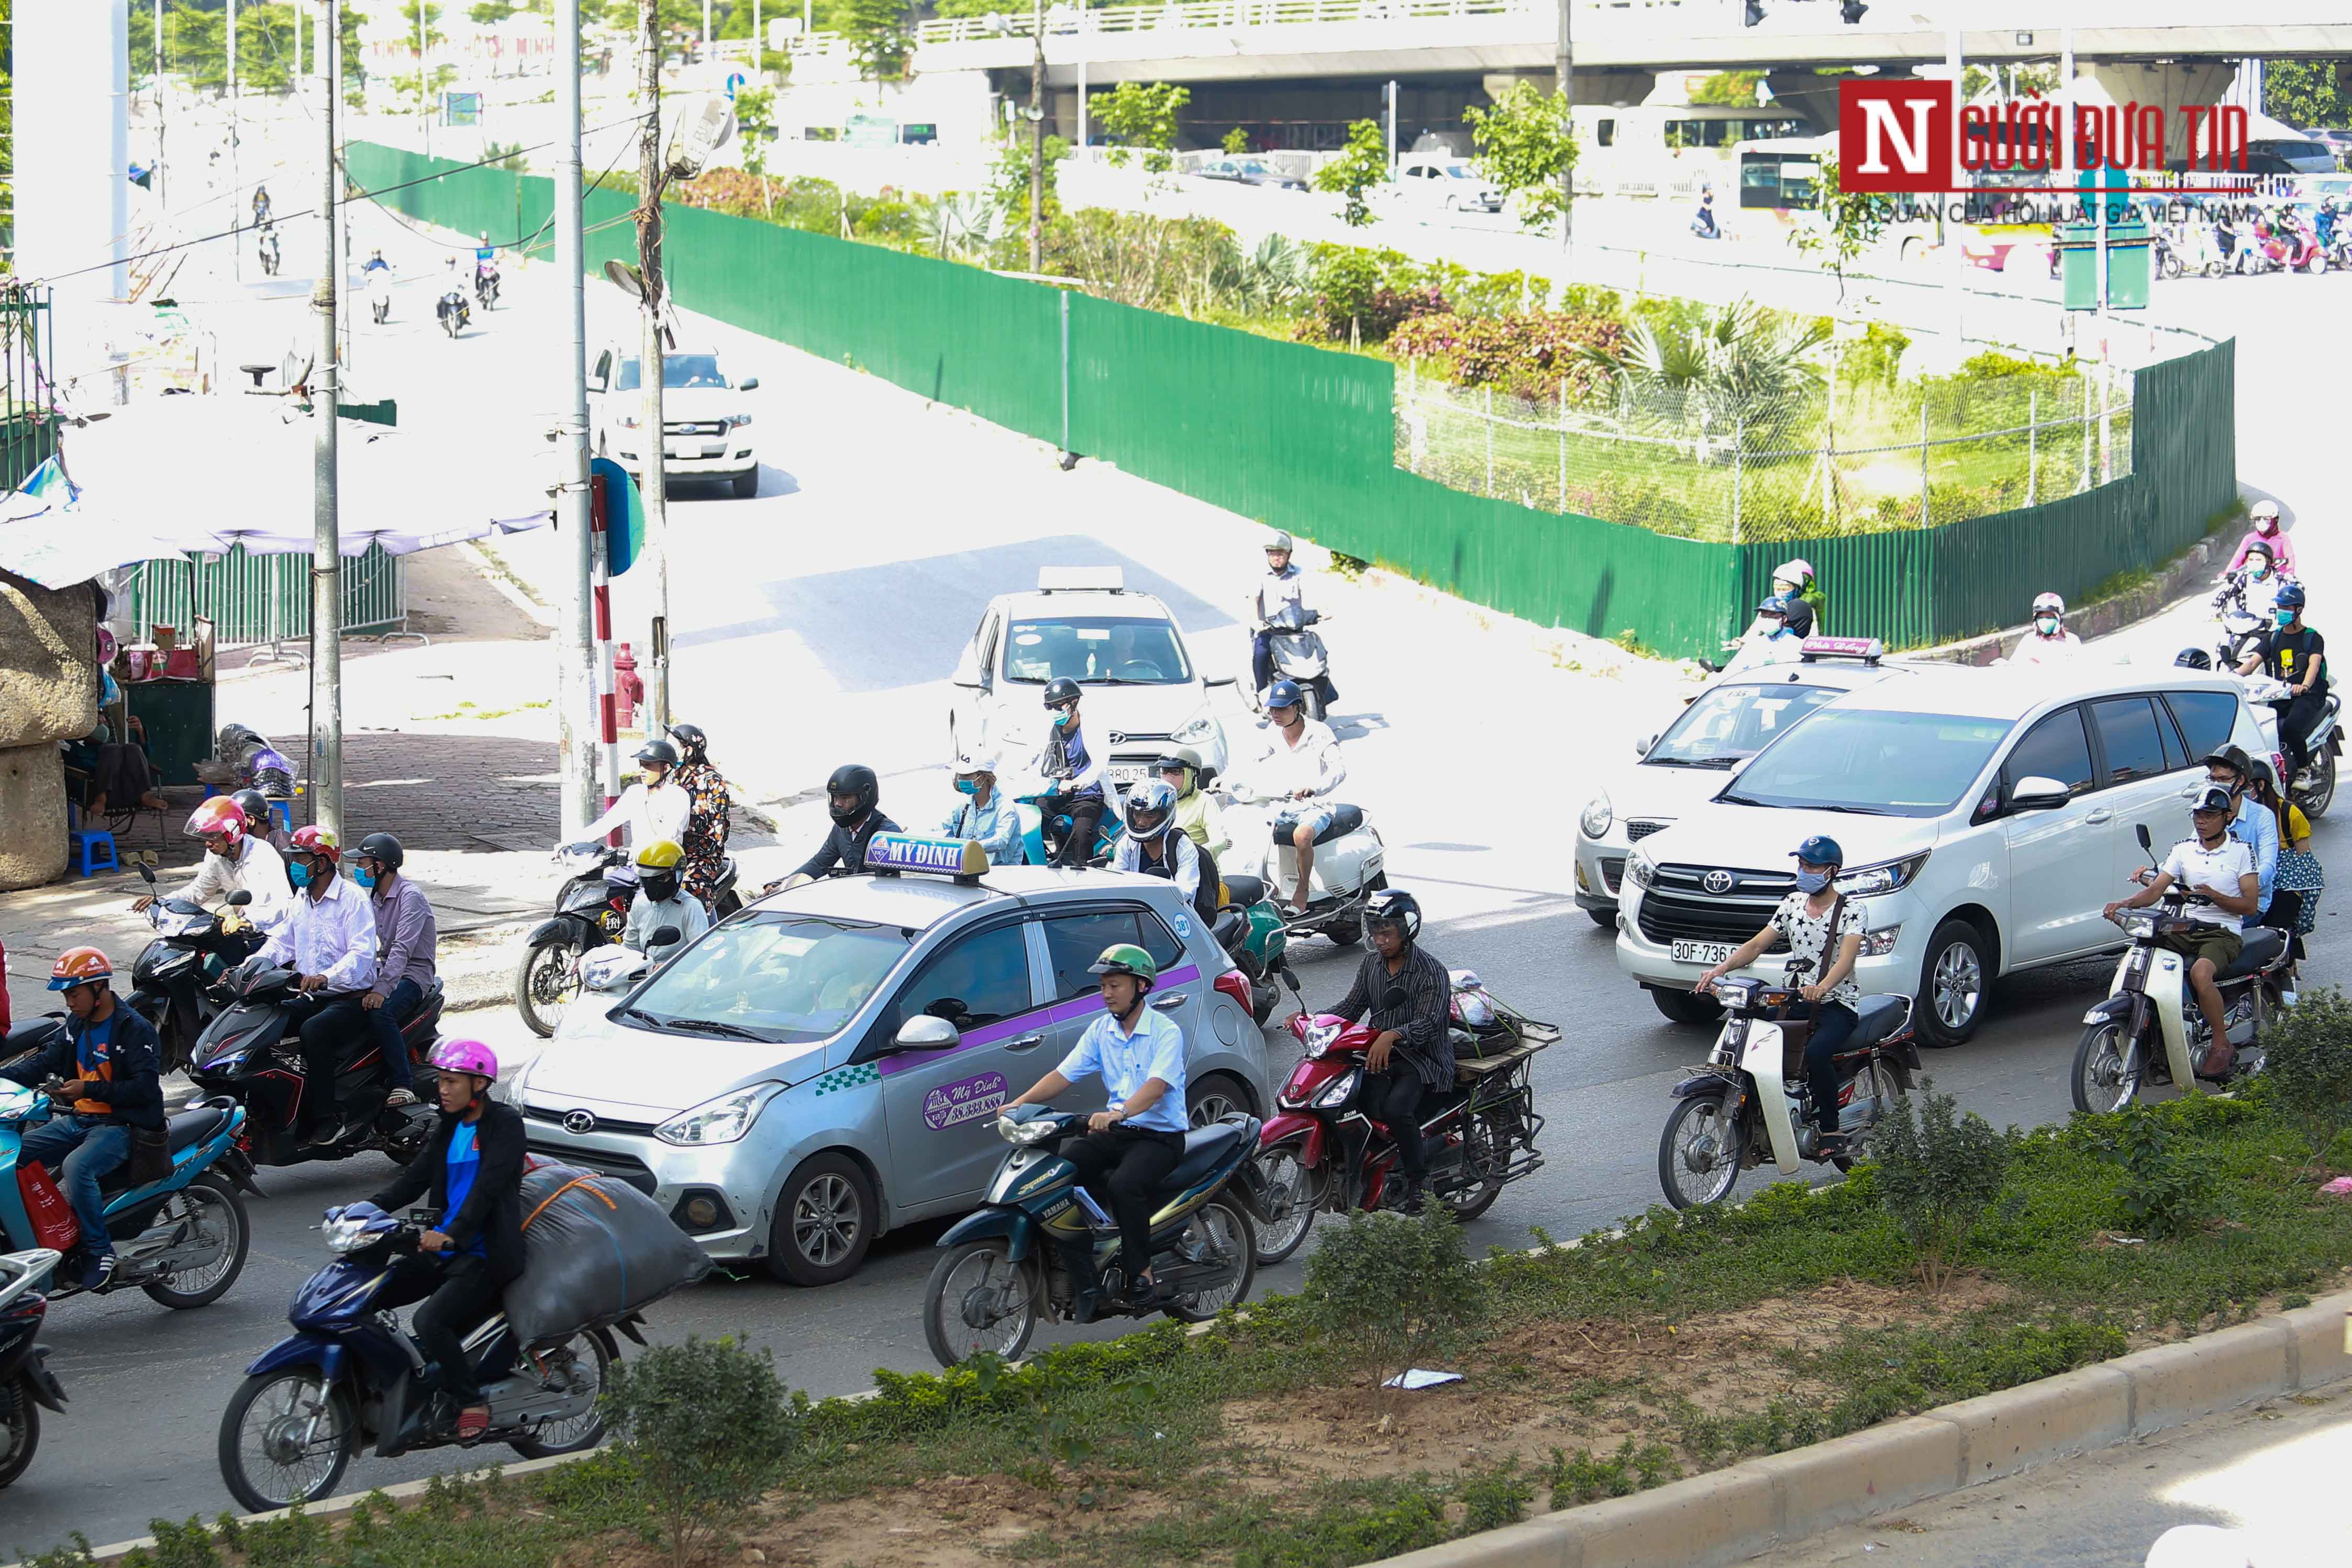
pixel 490 12
pixel 1525 144
pixel 1236 141
pixel 755 122
pixel 1141 115
pixel 1848 225
pixel 881 35
pixel 1740 365
pixel 1364 164
pixel 1730 89
pixel 2307 93
pixel 433 32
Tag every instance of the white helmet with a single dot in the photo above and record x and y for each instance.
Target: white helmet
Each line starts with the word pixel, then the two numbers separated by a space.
pixel 2049 603
pixel 1797 569
pixel 977 760
pixel 2265 510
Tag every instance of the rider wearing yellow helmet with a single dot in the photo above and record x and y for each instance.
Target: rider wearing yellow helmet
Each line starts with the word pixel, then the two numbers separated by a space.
pixel 661 900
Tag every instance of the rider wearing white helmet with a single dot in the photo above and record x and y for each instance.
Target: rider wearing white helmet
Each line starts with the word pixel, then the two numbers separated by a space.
pixel 2047 641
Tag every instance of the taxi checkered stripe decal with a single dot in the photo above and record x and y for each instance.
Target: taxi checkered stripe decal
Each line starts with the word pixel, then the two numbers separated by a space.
pixel 848 1078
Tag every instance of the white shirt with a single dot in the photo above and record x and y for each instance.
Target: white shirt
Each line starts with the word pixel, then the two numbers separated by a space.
pixel 1127 1062
pixel 650 815
pixel 2034 648
pixel 332 935
pixel 1277 589
pixel 645 917
pixel 2197 868
pixel 1281 768
pixel 257 870
pixel 1809 937
pixel 1186 860
pixel 1780 647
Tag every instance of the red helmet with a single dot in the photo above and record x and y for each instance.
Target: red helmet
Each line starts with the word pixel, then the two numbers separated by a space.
pixel 315 839
pixel 218 815
pixel 79 966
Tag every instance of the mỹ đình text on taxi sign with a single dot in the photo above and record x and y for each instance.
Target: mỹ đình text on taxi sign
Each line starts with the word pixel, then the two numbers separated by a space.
pixel 891 853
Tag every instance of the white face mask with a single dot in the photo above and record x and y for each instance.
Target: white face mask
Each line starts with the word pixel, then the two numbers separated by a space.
pixel 2047 625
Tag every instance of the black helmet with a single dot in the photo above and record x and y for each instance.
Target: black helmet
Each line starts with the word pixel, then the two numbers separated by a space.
pixel 382 847
pixel 1394 906
pixel 1284 694
pixel 256 807
pixel 692 744
pixel 853 778
pixel 660 751
pixel 2193 659
pixel 1061 689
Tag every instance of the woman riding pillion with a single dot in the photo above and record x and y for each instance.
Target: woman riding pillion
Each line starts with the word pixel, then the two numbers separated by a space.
pixel 709 814
pixel 1814 919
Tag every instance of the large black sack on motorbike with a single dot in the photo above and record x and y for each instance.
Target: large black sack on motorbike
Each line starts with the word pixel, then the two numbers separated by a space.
pixel 594 1250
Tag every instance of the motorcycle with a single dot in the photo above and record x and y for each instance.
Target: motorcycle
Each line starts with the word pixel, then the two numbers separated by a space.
pixel 1249 927
pixel 28 1386
pixel 1042 838
pixel 1003 1270
pixel 379 291
pixel 1324 1150
pixel 181 1238
pixel 592 910
pixel 348 1374
pixel 1299 655
pixel 252 1055
pixel 2150 1029
pixel 453 311
pixel 1348 857
pixel 2243 611
pixel 2314 788
pixel 2294 248
pixel 485 285
pixel 1750 1101
pixel 170 983
pixel 268 245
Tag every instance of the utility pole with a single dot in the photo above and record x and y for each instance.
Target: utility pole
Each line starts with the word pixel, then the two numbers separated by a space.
pixel 1391 95
pixel 326 544
pixel 1037 144
pixel 237 204
pixel 581 800
pixel 329 66
pixel 1566 72
pixel 424 77
pixel 159 197
pixel 655 437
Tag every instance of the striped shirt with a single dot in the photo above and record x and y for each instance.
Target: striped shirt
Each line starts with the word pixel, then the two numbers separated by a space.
pixel 1421 1023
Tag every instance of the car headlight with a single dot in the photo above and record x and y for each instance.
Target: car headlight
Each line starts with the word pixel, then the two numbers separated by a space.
pixel 1336 1094
pixel 1878 944
pixel 720 1121
pixel 1640 869
pixel 738 420
pixel 1197 728
pixel 1884 877
pixel 1598 815
pixel 625 421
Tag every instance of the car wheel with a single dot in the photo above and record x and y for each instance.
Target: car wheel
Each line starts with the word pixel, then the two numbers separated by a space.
pixel 824 1221
pixel 1953 981
pixel 1604 918
pixel 747 485
pixel 1684 1007
pixel 1214 1098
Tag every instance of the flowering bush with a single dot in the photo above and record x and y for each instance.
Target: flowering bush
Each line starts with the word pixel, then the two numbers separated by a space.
pixel 1529 355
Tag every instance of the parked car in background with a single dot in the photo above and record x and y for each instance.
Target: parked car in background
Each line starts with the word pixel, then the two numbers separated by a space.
pixel 1249 171
pixel 1444 184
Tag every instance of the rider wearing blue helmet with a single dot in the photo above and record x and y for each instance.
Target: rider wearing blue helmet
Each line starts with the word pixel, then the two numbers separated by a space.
pixel 1825 930
pixel 2293 653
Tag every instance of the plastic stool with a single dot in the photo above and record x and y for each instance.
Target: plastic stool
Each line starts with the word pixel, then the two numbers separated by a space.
pixel 93 849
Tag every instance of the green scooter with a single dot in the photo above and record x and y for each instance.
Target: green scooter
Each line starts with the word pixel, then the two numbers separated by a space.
pixel 1249 927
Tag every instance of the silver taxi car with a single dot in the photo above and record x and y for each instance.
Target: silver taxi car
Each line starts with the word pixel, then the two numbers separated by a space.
pixel 827 1064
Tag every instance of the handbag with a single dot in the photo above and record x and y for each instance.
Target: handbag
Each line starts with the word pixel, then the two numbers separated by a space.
pixel 2299 873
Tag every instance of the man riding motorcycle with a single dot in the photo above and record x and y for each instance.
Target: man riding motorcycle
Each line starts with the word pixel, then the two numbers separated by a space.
pixel 1076 775
pixel 1284 583
pixel 1774 639
pixel 1411 1058
pixel 2221 868
pixel 662 901
pixel 406 933
pixel 109 1057
pixel 709 816
pixel 853 800
pixel 983 814
pixel 2294 653
pixel 655 807
pixel 1156 846
pixel 471 1175
pixel 1197 811
pixel 328 939
pixel 1299 765
pixel 237 859
pixel 2047 641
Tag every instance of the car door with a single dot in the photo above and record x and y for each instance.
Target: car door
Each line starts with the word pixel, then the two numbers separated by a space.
pixel 939 1105
pixel 975 681
pixel 1075 938
pixel 2060 861
pixel 2145 772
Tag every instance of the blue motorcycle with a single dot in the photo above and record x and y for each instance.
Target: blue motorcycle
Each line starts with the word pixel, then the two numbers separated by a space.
pixel 182 1239
pixel 349 1373
pixel 1042 836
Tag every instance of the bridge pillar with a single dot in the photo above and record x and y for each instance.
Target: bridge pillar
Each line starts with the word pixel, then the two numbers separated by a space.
pixel 2174 87
pixel 1806 93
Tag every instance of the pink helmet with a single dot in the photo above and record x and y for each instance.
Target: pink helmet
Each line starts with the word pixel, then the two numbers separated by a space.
pixel 465 1056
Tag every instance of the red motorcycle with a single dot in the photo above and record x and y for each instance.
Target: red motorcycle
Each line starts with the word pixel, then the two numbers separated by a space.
pixel 1322 1148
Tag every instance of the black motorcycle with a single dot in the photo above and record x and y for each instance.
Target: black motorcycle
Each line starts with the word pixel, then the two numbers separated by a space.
pixel 486 287
pixel 171 982
pixel 453 311
pixel 27 1384
pixel 592 910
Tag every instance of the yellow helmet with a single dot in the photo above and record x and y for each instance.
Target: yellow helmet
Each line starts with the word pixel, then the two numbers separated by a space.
pixel 660 855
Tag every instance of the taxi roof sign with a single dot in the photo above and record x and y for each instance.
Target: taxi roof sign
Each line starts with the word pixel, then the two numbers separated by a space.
pixel 963 859
pixel 1869 649
pixel 1081 580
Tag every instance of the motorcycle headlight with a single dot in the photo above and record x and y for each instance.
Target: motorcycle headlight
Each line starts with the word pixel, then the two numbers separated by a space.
pixel 722 1121
pixel 1319 1041
pixel 1197 728
pixel 1025 1132
pixel 1885 877
pixel 1340 1089
pixel 1598 815
pixel 2138 927
pixel 346 1235
pixel 1640 869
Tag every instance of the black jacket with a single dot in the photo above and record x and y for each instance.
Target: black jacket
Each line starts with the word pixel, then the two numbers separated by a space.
pixel 842 854
pixel 135 1093
pixel 493 1209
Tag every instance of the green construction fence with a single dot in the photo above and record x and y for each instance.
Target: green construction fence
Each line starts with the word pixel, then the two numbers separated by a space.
pixel 1302 438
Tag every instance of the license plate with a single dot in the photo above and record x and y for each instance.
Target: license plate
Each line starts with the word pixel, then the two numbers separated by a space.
pixel 1127 775
pixel 1707 953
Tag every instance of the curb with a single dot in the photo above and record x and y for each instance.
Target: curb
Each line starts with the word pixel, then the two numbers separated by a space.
pixel 1751 1508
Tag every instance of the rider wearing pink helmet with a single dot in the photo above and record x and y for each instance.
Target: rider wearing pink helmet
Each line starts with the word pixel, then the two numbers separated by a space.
pixel 471 1176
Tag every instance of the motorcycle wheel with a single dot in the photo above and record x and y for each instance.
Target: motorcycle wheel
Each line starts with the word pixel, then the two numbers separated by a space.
pixel 210 1206
pixel 979 1280
pixel 598 1354
pixel 1295 1194
pixel 1486 1151
pixel 263 1455
pixel 2172 267
pixel 2100 1082
pixel 1224 1224
pixel 547 981
pixel 20 1430
pixel 1699 1156
pixel 2316 797
pixel 1879 1082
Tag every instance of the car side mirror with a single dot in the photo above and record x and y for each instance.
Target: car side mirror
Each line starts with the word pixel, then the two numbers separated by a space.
pixel 1222 680
pixel 748 384
pixel 924 1032
pixel 2038 794
pixel 1642 744
pixel 240 899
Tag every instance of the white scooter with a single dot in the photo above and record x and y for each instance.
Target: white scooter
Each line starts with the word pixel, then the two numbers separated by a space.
pixel 1349 861
pixel 379 290
pixel 2150 1030
pixel 1299 655
pixel 2314 788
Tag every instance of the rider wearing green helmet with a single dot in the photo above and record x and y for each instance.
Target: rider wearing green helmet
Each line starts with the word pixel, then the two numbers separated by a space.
pixel 1130 1147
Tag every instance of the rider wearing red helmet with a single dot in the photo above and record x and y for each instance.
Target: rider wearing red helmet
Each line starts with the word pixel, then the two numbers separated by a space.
pixel 109 1057
pixel 471 1173
pixel 237 859
pixel 328 937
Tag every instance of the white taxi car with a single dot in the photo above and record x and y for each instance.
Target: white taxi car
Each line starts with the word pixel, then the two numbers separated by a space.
pixel 1728 723
pixel 1142 693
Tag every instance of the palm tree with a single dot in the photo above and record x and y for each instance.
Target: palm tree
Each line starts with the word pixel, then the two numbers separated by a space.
pixel 1742 366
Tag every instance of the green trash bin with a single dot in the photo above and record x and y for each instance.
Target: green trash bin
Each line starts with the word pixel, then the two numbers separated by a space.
pixel 178 719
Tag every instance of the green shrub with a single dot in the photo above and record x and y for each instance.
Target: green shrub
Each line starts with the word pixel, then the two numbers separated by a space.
pixel 882 218
pixel 2164 1194
pixel 707 1428
pixel 1938 1173
pixel 1388 1292
pixel 1493 1499
pixel 1343 1534
pixel 2307 1069
pixel 1580 1477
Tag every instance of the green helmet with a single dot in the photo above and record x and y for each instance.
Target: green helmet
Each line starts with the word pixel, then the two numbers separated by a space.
pixel 1126 959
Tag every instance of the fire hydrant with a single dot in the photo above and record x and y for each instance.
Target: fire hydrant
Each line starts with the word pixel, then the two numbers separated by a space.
pixel 629 689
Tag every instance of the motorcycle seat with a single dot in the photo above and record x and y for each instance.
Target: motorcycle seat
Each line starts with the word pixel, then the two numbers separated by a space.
pixel 2263 945
pixel 1205 1146
pixel 1878 1017
pixel 193 1126
pixel 30 1035
pixel 1243 891
pixel 1231 927
pixel 1345 820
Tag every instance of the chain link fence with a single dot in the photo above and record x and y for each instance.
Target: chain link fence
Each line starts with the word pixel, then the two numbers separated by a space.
pixel 1835 459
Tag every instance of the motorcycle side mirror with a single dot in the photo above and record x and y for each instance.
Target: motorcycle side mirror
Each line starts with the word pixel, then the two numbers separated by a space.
pixel 925 1032
pixel 1395 998
pixel 1222 680
pixel 663 936
pixel 237 900
pixel 748 384
pixel 2146 844
pixel 146 872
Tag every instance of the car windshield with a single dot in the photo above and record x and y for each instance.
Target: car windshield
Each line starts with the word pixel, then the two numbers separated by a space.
pixel 677 370
pixel 1874 762
pixel 1097 649
pixel 1457 172
pixel 1734 722
pixel 775 976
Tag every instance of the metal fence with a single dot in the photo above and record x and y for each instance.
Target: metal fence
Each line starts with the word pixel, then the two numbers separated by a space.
pixel 264 598
pixel 28 424
pixel 1834 460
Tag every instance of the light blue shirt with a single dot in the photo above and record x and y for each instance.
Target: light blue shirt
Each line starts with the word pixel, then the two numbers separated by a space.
pixel 996 825
pixel 1125 1062
pixel 2257 829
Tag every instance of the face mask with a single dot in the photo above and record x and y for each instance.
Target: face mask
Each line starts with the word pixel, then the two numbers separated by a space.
pixel 2047 625
pixel 1813 880
pixel 2261 569
pixel 365 877
pixel 967 786
pixel 2286 618
pixel 298 874
pixel 1786 589
pixel 2265 527
pixel 1065 717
